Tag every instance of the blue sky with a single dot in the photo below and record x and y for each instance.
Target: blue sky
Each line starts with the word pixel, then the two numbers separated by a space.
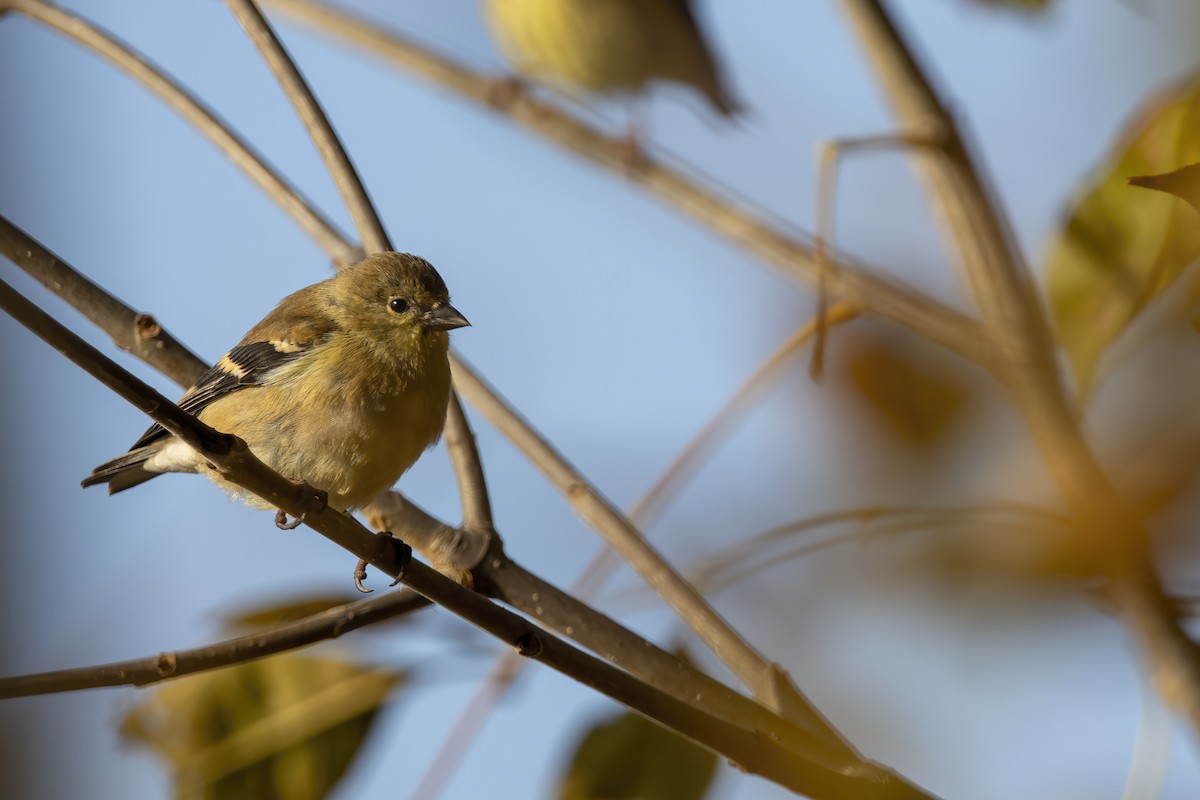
pixel 612 323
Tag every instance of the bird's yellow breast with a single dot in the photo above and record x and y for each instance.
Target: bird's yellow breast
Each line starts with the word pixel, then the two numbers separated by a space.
pixel 349 437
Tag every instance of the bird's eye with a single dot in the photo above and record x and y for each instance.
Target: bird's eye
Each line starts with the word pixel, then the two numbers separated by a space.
pixel 398 304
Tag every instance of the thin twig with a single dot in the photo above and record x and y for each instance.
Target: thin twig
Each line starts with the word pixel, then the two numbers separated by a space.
pixel 328 624
pixel 788 252
pixel 763 756
pixel 740 559
pixel 464 454
pixel 345 177
pixel 203 118
pixel 1027 358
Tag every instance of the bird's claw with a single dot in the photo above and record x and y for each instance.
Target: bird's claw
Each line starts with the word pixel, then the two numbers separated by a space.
pixel 360 573
pixel 316 500
pixel 281 520
pixel 402 554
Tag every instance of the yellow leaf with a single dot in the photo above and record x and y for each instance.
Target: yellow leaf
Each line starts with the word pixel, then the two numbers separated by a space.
pixel 1120 248
pixel 282 727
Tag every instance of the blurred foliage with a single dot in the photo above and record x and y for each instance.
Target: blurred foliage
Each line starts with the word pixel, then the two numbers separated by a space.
pixel 282 727
pixel 273 614
pixel 914 398
pixel 628 756
pixel 1119 248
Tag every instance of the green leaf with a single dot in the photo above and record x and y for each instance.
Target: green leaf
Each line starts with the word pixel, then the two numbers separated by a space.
pixel 1121 248
pixel 628 756
pixel 286 727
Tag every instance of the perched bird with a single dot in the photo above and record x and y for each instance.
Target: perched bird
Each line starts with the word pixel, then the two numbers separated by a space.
pixel 343 385
pixel 608 46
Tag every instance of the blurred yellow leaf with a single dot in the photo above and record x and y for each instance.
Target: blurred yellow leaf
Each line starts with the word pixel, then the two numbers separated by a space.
pixel 281 613
pixel 286 727
pixel 1120 248
pixel 915 400
pixel 630 757
pixel 1184 183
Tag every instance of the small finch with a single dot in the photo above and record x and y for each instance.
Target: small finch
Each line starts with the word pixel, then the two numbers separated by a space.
pixel 343 385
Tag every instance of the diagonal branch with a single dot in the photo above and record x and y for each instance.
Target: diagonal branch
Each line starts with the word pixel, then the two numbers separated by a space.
pixel 767 757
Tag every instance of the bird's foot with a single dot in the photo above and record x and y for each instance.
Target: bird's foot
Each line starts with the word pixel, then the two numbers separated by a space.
pixel 314 501
pixel 402 555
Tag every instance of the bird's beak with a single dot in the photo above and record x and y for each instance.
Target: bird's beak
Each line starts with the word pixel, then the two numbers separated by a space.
pixel 444 318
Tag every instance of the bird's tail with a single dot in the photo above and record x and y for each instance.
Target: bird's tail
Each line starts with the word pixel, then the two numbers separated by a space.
pixel 123 472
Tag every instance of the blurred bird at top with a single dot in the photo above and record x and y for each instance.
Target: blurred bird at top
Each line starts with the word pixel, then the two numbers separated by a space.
pixel 608 46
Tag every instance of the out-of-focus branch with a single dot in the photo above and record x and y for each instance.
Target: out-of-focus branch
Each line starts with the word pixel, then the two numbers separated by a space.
pixel 764 756
pixel 1026 358
pixel 203 118
pixel 328 624
pixel 140 334
pixel 791 253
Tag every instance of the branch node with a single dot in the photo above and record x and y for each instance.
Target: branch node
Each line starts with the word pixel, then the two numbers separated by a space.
pixel 529 644
pixel 166 664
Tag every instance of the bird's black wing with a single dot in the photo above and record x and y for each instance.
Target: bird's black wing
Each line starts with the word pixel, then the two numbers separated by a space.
pixel 248 364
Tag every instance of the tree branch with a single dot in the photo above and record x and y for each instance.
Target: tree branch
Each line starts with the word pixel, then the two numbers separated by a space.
pixel 761 755
pixel 328 624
